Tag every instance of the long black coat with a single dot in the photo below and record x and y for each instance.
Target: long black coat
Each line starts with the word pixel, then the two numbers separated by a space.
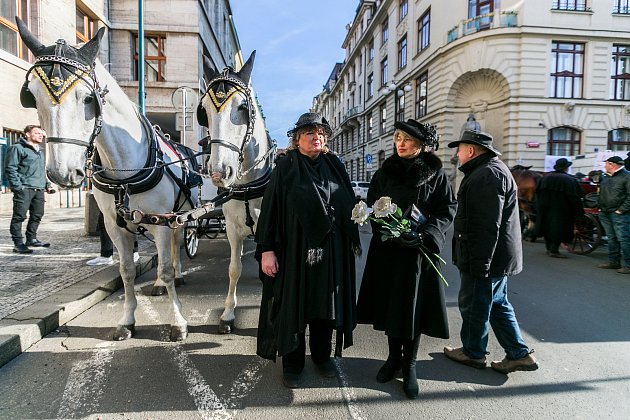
pixel 401 293
pixel 295 222
pixel 558 203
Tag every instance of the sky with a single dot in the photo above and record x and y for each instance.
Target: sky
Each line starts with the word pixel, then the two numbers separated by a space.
pixel 297 44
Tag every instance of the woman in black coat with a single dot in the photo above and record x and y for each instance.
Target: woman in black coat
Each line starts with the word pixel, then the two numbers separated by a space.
pixel 401 293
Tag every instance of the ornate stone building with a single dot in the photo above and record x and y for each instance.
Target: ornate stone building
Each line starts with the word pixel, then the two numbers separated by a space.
pixel 544 77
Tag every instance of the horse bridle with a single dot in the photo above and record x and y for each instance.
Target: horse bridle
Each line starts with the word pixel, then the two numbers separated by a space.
pixel 86 74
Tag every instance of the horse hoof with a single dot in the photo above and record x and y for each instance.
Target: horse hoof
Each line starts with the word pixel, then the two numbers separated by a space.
pixel 179 333
pixel 179 282
pixel 124 332
pixel 225 327
pixel 158 290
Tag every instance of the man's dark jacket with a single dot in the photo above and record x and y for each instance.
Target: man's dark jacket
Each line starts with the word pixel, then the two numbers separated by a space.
pixel 558 203
pixel 487 230
pixel 25 167
pixel 614 192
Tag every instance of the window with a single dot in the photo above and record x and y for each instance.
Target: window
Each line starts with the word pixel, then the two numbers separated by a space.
pixel 154 58
pixel 577 5
pixel 620 73
pixel 421 95
pixel 86 27
pixel 424 27
pixel 370 126
pixel 403 8
pixel 10 41
pixel 400 106
pixel 384 72
pixel 360 63
pixel 563 141
pixel 402 52
pixel 370 85
pixel 481 8
pixel 385 31
pixel 383 112
pixel 567 70
pixel 371 50
pixel 619 140
pixel 621 6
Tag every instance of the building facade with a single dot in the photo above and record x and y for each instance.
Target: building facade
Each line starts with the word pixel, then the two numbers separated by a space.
pixel 177 34
pixel 543 77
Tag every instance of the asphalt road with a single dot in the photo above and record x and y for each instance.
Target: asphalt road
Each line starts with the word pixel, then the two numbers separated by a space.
pixel 575 316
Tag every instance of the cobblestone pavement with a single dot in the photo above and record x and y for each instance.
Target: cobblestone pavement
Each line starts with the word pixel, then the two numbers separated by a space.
pixel 27 279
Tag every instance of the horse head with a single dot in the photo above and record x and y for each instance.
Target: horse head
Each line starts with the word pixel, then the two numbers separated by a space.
pixel 229 110
pixel 64 90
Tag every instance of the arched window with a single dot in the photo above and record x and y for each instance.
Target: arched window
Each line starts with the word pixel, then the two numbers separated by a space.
pixel 381 158
pixel 619 140
pixel 563 141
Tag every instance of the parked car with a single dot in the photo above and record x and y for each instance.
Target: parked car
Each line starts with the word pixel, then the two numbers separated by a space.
pixel 360 189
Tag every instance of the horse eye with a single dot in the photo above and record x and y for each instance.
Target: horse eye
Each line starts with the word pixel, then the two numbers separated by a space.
pixel 243 106
pixel 88 100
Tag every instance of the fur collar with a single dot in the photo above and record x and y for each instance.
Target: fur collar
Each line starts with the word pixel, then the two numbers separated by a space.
pixel 416 171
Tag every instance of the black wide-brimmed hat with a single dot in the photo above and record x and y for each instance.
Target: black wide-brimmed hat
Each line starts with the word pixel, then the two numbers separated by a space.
pixel 311 119
pixel 476 137
pixel 615 159
pixel 562 163
pixel 424 132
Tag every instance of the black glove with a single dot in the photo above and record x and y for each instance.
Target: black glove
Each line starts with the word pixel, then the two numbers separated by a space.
pixel 410 239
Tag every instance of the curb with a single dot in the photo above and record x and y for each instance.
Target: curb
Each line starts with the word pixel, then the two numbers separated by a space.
pixel 20 330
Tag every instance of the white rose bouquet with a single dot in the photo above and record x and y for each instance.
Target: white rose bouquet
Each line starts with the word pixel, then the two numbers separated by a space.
pixel 390 217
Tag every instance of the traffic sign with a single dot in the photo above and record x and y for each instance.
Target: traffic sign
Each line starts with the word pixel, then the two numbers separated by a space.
pixel 184 98
pixel 369 159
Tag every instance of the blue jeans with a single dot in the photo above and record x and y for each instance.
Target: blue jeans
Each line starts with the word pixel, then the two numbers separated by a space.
pixel 484 300
pixel 617 227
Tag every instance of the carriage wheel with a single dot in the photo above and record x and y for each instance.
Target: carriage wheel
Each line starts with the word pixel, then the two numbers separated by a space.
pixel 192 239
pixel 210 233
pixel 587 235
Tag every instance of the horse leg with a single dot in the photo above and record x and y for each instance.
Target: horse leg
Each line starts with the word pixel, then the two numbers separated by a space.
pixel 226 321
pixel 123 241
pixel 177 238
pixel 165 273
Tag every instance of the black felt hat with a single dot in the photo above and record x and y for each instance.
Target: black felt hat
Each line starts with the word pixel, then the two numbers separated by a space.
pixel 562 163
pixel 424 132
pixel 476 137
pixel 615 159
pixel 311 119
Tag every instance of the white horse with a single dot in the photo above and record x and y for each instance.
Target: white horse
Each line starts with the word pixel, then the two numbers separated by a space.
pixel 81 107
pixel 241 158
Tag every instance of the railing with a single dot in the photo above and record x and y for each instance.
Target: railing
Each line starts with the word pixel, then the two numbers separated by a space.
pixel 496 19
pixel 351 113
pixel 575 6
pixel 622 10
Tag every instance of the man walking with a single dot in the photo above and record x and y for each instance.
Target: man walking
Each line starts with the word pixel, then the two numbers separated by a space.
pixel 614 206
pixel 486 250
pixel 25 171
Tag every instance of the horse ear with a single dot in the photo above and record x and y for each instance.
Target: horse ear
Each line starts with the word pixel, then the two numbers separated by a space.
pixel 246 71
pixel 208 69
pixel 31 42
pixel 90 50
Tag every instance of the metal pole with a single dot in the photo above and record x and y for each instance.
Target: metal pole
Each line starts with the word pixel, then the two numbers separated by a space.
pixel 184 105
pixel 141 56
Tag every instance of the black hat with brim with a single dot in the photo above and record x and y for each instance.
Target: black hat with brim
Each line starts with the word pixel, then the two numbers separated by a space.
pixel 424 132
pixel 615 159
pixel 562 163
pixel 310 119
pixel 476 137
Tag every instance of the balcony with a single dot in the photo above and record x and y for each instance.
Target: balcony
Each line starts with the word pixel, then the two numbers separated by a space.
pixel 494 20
pixel 351 116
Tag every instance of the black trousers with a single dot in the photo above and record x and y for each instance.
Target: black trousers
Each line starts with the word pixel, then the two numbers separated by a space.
pixel 552 246
pixel 319 343
pixel 31 201
pixel 107 246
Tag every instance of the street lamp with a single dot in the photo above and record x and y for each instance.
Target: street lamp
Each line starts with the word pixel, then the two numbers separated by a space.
pixel 399 89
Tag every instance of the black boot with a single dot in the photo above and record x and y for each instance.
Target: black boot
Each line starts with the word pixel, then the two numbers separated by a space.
pixel 409 354
pixel 393 363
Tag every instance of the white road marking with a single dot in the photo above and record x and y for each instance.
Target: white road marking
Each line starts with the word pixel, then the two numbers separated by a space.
pixel 84 386
pixel 246 381
pixel 348 391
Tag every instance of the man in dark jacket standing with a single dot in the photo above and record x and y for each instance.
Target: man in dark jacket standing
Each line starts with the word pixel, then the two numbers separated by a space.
pixel 25 171
pixel 614 205
pixel 559 203
pixel 487 249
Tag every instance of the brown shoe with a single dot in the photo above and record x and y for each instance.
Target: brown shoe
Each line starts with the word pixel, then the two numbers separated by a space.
pixel 459 356
pixel 611 266
pixel 624 270
pixel 527 363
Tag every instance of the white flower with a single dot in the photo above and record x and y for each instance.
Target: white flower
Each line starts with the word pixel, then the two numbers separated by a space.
pixel 383 207
pixel 360 213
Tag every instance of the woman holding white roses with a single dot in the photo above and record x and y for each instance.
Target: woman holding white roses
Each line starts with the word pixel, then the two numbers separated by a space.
pixel 402 292
pixel 306 244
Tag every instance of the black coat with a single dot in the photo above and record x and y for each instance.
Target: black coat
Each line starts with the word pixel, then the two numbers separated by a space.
pixel 295 222
pixel 401 293
pixel 558 203
pixel 487 229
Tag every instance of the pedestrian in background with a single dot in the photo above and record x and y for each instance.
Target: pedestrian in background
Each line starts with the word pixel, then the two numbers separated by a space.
pixel 25 170
pixel 106 256
pixel 558 205
pixel 486 250
pixel 614 215
pixel 306 244
pixel 401 293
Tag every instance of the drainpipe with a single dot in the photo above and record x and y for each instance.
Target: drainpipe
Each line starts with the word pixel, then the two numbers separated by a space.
pixel 141 56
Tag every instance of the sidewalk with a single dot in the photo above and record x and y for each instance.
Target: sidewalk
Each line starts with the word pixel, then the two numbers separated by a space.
pixel 45 289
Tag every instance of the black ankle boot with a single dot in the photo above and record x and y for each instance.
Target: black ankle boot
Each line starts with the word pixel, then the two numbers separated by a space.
pixel 409 354
pixel 393 363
